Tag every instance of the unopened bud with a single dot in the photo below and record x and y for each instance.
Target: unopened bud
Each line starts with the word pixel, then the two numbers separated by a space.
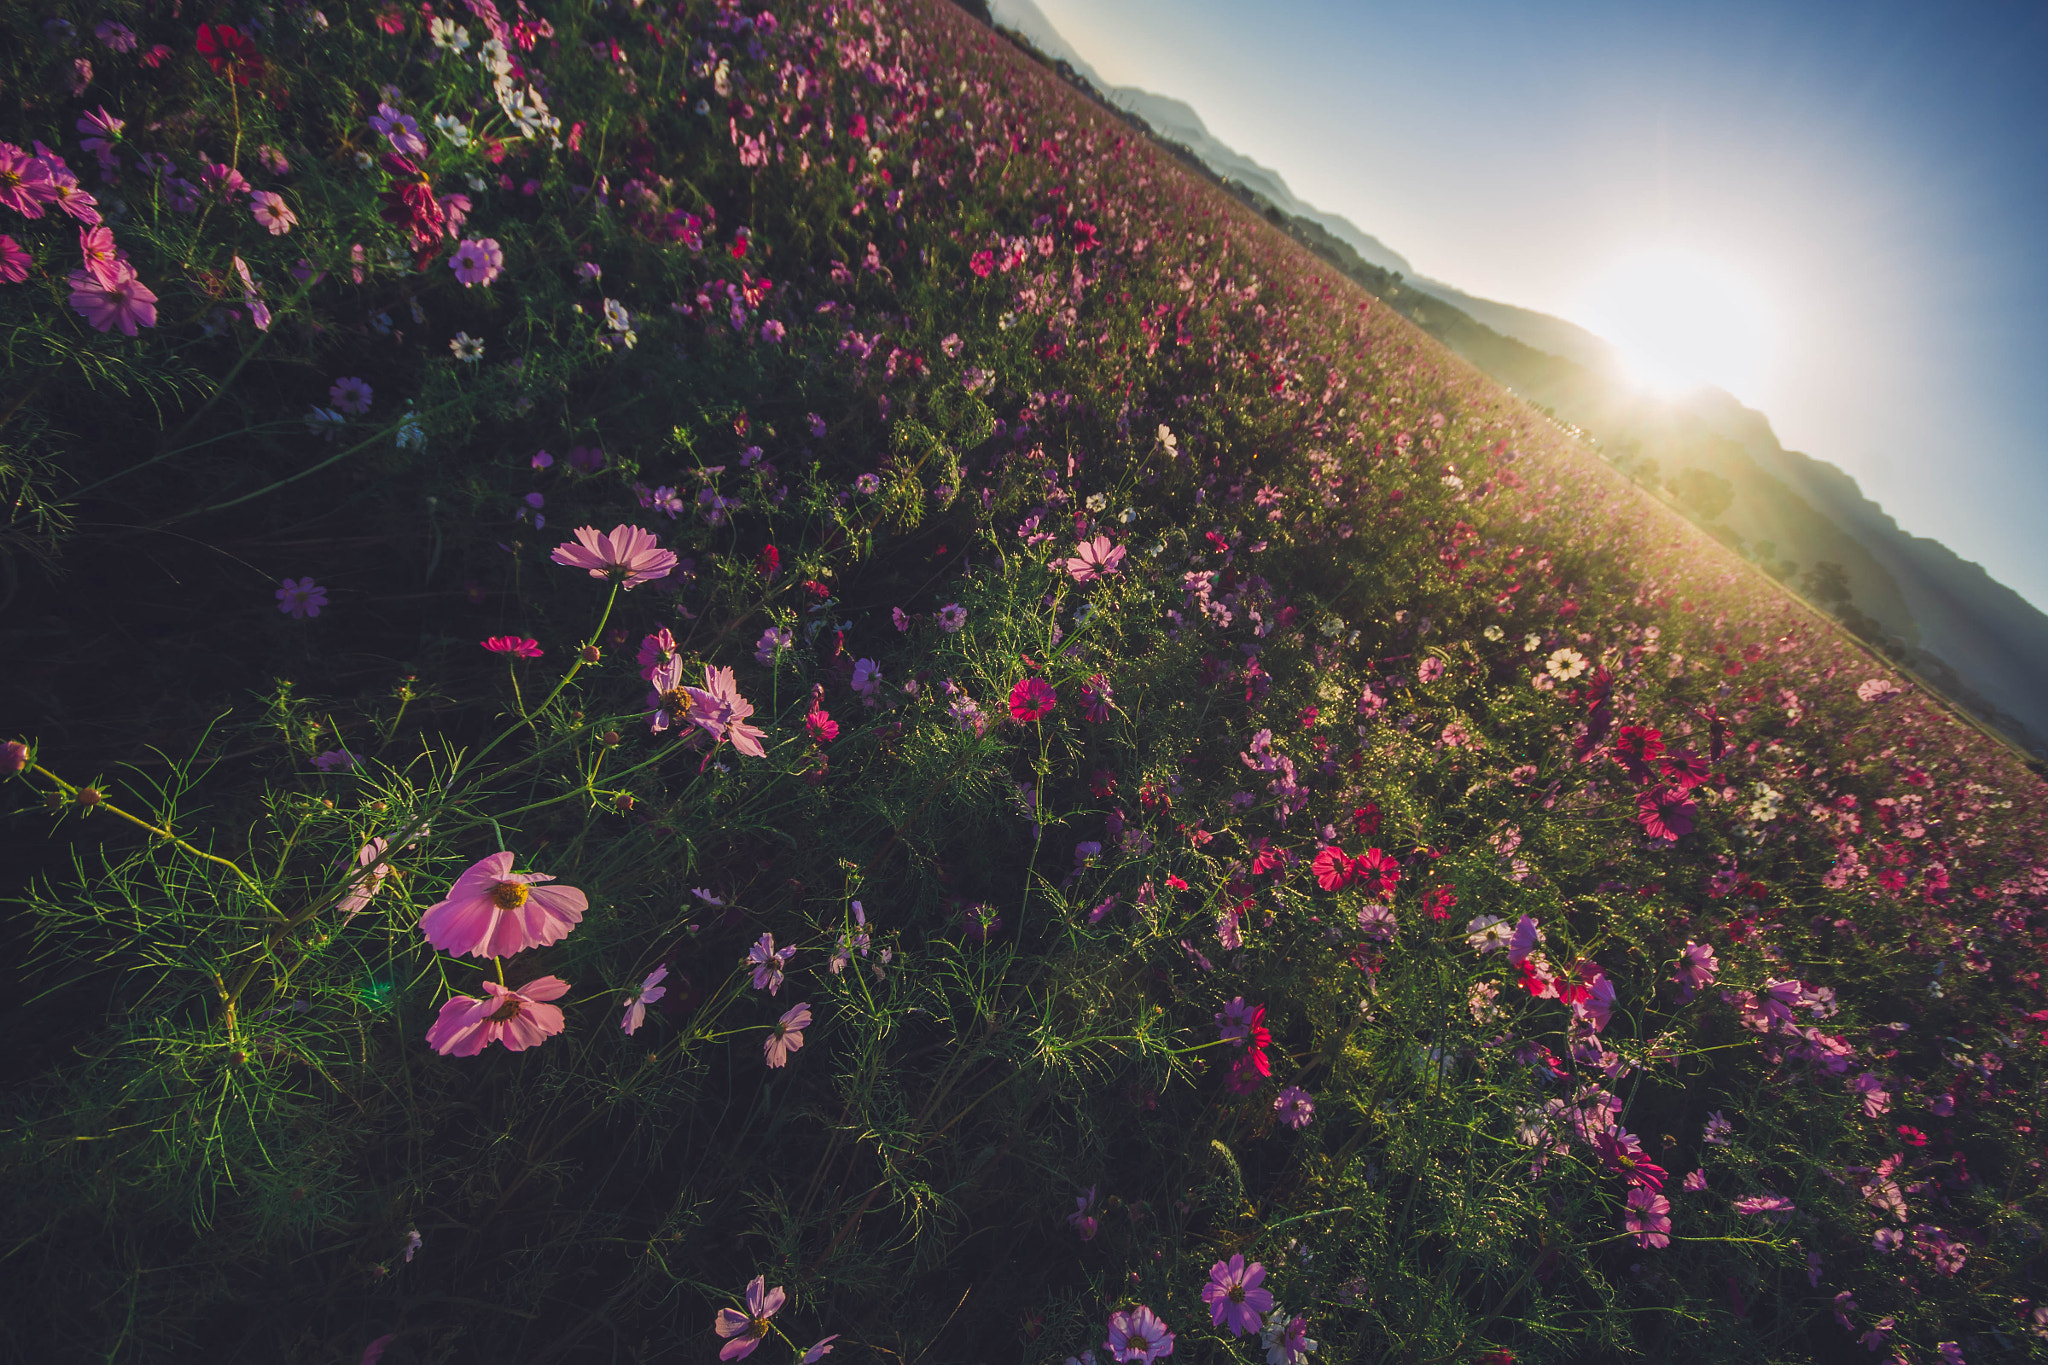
pixel 89 796
pixel 610 737
pixel 591 654
pixel 624 802
pixel 13 757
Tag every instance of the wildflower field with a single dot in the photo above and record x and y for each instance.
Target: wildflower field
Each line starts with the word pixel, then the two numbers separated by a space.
pixel 686 681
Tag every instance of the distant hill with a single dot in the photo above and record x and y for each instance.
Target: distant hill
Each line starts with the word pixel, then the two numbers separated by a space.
pixel 1800 519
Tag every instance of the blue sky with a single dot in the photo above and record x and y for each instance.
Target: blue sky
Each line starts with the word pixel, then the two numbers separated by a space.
pixel 1879 169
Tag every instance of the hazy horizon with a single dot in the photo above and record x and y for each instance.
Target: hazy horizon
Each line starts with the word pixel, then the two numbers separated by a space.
pixel 1870 172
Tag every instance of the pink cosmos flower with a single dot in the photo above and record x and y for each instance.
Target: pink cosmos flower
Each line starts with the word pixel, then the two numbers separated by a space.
pixel 492 911
pixel 1696 967
pixel 24 182
pixel 1774 1206
pixel 268 208
pixel 641 996
pixel 104 261
pixel 1717 1130
pixel 1287 1342
pixel 951 617
pixel 1649 1218
pixel 366 883
pixel 1234 1297
pixel 818 721
pixel 1623 1153
pixel 14 262
pixel 1294 1107
pixel 65 191
pixel 1665 813
pixel 821 1348
pixel 479 260
pixel 786 1035
pixel 350 395
pixel 1093 559
pixel 748 1329
pixel 867 679
pixel 259 311
pixel 519 1019
pixel 717 707
pixel 1524 941
pixel 1138 1334
pixel 1095 699
pixel 127 303
pixel 1694 1182
pixel 628 556
pixel 301 599
pixel 517 646
pixel 1032 699
pixel 768 963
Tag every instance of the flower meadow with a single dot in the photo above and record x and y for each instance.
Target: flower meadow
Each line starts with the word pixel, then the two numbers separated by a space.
pixel 697 681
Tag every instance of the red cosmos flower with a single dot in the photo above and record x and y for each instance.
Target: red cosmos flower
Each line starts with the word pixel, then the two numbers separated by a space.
pixel 1333 868
pixel 1439 900
pixel 227 48
pixel 410 203
pixel 1032 699
pixel 1636 747
pixel 769 562
pixel 1366 819
pixel 1665 813
pixel 1378 871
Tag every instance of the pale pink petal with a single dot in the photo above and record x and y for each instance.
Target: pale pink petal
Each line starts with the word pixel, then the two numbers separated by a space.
pixel 462 926
pixel 545 988
pixel 532 1026
pixel 731 1322
pixel 459 1030
pixel 550 913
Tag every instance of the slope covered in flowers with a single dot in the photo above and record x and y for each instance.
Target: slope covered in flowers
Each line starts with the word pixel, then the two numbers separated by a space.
pixel 775 687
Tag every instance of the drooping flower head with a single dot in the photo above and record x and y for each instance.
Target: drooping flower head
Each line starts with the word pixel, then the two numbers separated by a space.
pixel 748 1329
pixel 641 996
pixel 1234 1297
pixel 519 1019
pixel 229 50
pixel 492 911
pixel 627 556
pixel 786 1034
pixel 1082 1219
pixel 1138 1334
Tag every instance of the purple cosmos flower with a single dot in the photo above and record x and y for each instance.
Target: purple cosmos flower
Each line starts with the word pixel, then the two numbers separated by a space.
pixel 301 599
pixel 638 999
pixel 350 395
pixel 1696 967
pixel 1234 1297
pixel 772 639
pixel 334 761
pixel 479 260
pixel 1286 1340
pixel 748 1329
pixel 1138 1334
pixel 1294 1107
pixel 1081 1219
pixel 628 556
pixel 786 1034
pixel 768 963
pixel 1717 1130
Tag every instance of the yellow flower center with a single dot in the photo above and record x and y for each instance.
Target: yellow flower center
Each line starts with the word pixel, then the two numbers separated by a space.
pixel 509 895
pixel 508 1010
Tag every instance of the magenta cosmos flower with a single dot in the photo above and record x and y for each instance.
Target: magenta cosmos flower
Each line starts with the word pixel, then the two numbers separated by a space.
pixel 628 556
pixel 126 303
pixel 519 1019
pixel 1094 559
pixel 300 599
pixel 747 1330
pixel 1649 1218
pixel 1032 699
pixel 14 261
pixel 1138 1334
pixel 519 647
pixel 786 1034
pixel 492 911
pixel 1234 1297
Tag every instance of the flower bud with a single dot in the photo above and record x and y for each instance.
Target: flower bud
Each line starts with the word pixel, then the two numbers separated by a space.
pixel 13 757
pixel 591 654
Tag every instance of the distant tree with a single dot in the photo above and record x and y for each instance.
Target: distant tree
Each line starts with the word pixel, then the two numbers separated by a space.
pixel 1828 583
pixel 1706 493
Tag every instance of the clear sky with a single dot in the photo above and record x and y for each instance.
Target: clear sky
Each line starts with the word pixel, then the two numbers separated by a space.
pixel 1877 170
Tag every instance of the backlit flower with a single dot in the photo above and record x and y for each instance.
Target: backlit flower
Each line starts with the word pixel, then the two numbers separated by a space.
pixel 786 1035
pixel 628 556
pixel 466 348
pixel 492 911
pixel 769 962
pixel 519 1019
pixel 641 996
pixel 479 260
pixel 748 1329
pixel 227 49
pixel 126 303
pixel 1294 1107
pixel 1649 1218
pixel 268 208
pixel 717 707
pixel 519 647
pixel 1094 559
pixel 14 262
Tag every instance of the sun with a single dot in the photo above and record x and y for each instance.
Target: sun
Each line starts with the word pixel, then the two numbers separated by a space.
pixel 1680 319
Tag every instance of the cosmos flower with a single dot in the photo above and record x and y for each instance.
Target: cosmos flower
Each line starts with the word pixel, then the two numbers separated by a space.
pixel 301 599
pixel 492 911
pixel 769 963
pixel 1032 699
pixel 126 303
pixel 350 395
pixel 1138 1334
pixel 519 1019
pixel 479 260
pixel 786 1035
pixel 747 1330
pixel 268 208
pixel 1234 1297
pixel 1294 1107
pixel 641 996
pixel 1094 559
pixel 1649 1218
pixel 517 646
pixel 628 556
